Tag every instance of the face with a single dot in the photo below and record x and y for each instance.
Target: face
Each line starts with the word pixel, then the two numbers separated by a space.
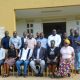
pixel 6 33
pixel 65 35
pixel 15 34
pixel 37 34
pixel 12 46
pixel 76 33
pixel 54 32
pixel 41 35
pixel 38 44
pixel 66 44
pixel 24 34
pixel 52 44
pixel 30 36
pixel 25 46
pixel 71 31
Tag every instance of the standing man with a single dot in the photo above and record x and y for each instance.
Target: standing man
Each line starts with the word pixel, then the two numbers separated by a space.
pixel 54 36
pixel 24 59
pixel 43 40
pixel 24 39
pixel 71 37
pixel 16 40
pixel 31 41
pixel 37 35
pixel 5 41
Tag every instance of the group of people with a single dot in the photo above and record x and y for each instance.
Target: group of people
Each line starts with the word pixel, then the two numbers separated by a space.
pixel 57 53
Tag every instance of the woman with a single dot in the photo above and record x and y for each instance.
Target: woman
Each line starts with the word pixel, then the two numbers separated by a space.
pixel 52 58
pixel 10 60
pixel 66 59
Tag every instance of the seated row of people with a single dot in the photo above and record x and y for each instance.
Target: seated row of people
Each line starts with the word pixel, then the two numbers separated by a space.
pixel 55 58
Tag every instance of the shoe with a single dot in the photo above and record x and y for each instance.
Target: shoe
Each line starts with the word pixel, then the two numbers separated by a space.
pixel 19 74
pixel 69 75
pixel 24 75
pixel 37 75
pixel 78 71
pixel 5 75
pixel 41 75
pixel 50 75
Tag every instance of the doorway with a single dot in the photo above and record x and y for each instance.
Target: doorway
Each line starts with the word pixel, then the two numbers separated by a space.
pixel 59 26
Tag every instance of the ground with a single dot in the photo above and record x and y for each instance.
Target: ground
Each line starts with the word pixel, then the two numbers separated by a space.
pixel 73 77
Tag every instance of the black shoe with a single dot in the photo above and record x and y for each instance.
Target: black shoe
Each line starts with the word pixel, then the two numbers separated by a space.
pixel 19 74
pixel 25 75
pixel 69 75
pixel 41 75
pixel 37 75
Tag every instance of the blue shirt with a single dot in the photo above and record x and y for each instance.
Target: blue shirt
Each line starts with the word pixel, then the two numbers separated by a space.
pixel 44 42
pixel 5 42
pixel 16 41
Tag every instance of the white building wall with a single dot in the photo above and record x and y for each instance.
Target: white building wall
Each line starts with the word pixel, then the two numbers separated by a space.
pixel 75 24
pixel 22 24
pixel 38 27
pixel 20 27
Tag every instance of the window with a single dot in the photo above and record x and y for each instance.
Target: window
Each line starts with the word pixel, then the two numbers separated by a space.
pixel 29 28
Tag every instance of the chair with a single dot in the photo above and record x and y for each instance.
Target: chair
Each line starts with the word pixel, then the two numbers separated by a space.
pixel 73 69
pixel 2 70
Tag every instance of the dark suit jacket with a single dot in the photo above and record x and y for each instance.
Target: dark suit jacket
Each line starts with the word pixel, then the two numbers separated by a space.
pixel 42 54
pixel 22 41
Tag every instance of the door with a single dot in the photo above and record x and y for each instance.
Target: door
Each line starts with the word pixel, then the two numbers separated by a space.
pixel 59 26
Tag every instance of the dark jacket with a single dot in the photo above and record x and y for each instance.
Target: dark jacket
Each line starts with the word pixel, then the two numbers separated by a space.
pixel 22 41
pixel 56 53
pixel 42 54
pixel 11 53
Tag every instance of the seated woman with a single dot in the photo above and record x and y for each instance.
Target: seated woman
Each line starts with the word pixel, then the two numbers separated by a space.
pixel 10 60
pixel 52 58
pixel 66 59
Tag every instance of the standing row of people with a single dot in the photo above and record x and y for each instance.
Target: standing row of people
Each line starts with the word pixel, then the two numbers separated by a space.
pixel 56 51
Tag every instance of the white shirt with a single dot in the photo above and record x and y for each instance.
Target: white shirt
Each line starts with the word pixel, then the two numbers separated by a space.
pixel 56 38
pixel 2 53
pixel 38 52
pixel 25 40
pixel 25 53
pixel 16 41
pixel 67 52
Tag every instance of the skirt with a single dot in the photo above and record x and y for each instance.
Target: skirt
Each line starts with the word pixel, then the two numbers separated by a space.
pixel 10 61
pixel 64 67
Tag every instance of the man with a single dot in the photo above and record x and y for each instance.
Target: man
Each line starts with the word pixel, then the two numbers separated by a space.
pixel 63 37
pixel 71 37
pixel 16 40
pixel 43 41
pixel 38 58
pixel 37 35
pixel 24 59
pixel 77 50
pixel 31 41
pixel 5 40
pixel 24 39
pixel 54 36
pixel 2 56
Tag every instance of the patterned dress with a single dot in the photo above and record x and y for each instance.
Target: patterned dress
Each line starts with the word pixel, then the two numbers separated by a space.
pixel 65 61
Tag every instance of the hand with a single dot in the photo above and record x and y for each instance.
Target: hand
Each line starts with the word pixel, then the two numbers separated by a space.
pixel 37 60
